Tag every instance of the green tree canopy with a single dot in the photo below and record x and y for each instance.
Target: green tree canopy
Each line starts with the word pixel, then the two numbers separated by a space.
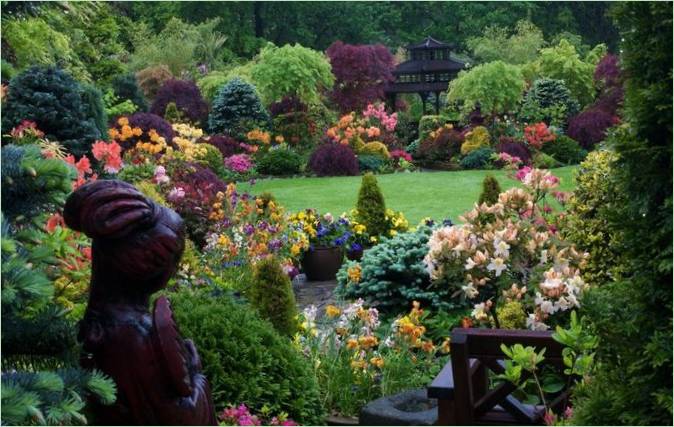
pixel 496 86
pixel 496 43
pixel 292 70
pixel 562 62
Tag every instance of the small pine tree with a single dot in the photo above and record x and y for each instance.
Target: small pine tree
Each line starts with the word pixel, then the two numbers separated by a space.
pixel 237 109
pixel 272 295
pixel 371 206
pixel 490 191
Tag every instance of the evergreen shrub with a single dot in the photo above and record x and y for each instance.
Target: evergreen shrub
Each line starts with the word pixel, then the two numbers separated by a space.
pixel 244 358
pixel 237 109
pixel 57 103
pixel 478 159
pixel 272 295
pixel 280 161
pixel 368 163
pixel 490 190
pixel 565 150
pixel 126 87
pixel 371 207
pixel 477 138
pixel 375 148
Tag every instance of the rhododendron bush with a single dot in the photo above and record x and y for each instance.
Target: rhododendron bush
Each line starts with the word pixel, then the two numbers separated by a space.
pixel 510 252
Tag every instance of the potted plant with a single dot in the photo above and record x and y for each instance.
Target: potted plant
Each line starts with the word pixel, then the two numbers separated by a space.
pixel 327 239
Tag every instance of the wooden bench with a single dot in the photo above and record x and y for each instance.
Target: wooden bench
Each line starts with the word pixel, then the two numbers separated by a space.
pixel 462 387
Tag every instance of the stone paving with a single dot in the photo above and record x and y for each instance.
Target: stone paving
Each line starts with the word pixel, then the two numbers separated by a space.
pixel 319 294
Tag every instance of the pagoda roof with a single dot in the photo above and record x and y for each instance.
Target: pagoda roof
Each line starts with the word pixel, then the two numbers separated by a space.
pixel 438 65
pixel 430 43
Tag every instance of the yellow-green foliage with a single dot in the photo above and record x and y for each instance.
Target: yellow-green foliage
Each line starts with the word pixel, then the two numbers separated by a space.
pixel 511 315
pixel 150 190
pixel 357 144
pixel 190 261
pixel 272 295
pixel 213 159
pixel 587 222
pixel 375 148
pixel 476 138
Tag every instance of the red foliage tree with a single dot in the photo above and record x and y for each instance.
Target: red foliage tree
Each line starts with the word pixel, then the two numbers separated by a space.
pixel 361 73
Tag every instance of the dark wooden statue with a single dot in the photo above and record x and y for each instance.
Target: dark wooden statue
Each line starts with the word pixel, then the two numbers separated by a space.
pixel 136 247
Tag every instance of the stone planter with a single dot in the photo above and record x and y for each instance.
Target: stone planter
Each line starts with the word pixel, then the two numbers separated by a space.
pixel 409 408
pixel 322 263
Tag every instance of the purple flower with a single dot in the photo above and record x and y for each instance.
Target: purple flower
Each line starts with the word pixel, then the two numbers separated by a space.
pixel 275 244
pixel 356 247
pixel 248 229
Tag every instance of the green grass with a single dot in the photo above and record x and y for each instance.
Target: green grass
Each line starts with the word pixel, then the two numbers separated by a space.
pixel 418 194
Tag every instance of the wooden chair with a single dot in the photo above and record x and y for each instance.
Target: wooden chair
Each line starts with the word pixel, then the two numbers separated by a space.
pixel 462 387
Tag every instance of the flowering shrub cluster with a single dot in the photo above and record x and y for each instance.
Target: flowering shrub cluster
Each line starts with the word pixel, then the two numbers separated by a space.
pixel 321 230
pixel 241 416
pixel 538 134
pixel 351 348
pixel 374 125
pixel 510 251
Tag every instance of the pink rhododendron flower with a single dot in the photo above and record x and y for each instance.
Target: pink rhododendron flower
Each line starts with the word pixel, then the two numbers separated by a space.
pixel 240 163
pixel 401 154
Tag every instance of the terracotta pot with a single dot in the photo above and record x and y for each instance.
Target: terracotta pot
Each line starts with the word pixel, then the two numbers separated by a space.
pixel 322 263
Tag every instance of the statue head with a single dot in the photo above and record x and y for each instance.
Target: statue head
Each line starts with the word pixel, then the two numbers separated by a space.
pixel 137 243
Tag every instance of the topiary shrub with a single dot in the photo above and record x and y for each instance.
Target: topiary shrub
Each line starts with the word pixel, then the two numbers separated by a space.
pixel 478 159
pixel 514 148
pixel 150 79
pixel 280 161
pixel 367 163
pixel 371 207
pixel 95 108
pixel 565 150
pixel 490 191
pixel 227 145
pixel 272 296
pixel 237 109
pixel 441 144
pixel 375 148
pixel 589 127
pixel 187 99
pixel 478 137
pixel 173 115
pixel 244 358
pixel 392 274
pixel 57 103
pixel 331 159
pixel 548 101
pixel 126 87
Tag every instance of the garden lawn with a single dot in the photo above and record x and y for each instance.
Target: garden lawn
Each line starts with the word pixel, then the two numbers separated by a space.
pixel 418 195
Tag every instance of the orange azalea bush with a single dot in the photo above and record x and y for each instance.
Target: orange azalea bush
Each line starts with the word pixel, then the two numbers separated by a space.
pixel 372 125
pixel 538 134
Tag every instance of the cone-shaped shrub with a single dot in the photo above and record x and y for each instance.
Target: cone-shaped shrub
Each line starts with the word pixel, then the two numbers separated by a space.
pixel 272 295
pixel 237 109
pixel 490 190
pixel 371 206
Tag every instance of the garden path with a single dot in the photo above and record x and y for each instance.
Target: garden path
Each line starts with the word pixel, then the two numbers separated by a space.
pixel 319 294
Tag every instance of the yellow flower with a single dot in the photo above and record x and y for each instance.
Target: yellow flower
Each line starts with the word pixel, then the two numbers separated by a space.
pixel 123 121
pixel 352 344
pixel 295 249
pixel 444 348
pixel 354 273
pixel 332 311
pixel 359 228
pixel 358 364
pixel 368 341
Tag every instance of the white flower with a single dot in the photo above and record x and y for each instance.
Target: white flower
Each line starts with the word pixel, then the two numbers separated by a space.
pixel 470 291
pixel 501 248
pixel 470 264
pixel 176 193
pixel 328 217
pixel 479 312
pixel 548 307
pixel 535 325
pixel 389 342
pixel 544 256
pixel 497 265
pixel 310 313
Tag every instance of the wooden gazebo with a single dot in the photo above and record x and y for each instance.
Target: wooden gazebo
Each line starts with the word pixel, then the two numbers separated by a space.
pixel 428 69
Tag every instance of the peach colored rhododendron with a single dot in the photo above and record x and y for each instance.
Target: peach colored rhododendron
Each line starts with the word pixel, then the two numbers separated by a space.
pixel 509 250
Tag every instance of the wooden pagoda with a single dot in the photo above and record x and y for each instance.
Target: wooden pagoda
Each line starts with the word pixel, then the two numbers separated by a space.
pixel 428 69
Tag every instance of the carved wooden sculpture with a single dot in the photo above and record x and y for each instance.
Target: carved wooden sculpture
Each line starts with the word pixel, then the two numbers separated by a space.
pixel 136 247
